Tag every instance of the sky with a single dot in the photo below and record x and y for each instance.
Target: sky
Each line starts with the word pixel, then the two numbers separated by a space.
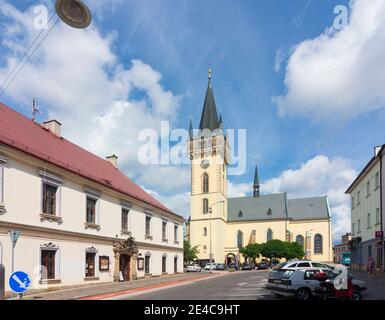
pixel 308 92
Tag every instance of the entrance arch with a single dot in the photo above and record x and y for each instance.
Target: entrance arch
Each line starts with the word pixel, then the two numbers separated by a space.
pixel 125 252
pixel 230 258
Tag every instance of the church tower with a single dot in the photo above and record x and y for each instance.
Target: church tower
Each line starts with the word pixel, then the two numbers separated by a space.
pixel 208 151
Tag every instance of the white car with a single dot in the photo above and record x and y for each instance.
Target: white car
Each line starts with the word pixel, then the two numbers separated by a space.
pixel 210 266
pixel 301 264
pixel 194 268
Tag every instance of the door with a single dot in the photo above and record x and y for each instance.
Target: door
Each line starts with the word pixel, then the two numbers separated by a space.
pixel 125 266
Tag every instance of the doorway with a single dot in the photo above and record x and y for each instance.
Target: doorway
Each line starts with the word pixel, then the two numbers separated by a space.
pixel 125 266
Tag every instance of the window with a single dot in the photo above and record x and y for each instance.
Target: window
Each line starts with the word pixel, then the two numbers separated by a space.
pixel 352 204
pixel 175 233
pixel 303 265
pixel 240 239
pixel 164 263
pixel 318 246
pixel 49 199
pixel 353 228
pixel 240 214
pixel 309 274
pixel 317 265
pixel 164 231
pixel 1 181
pixel 358 198
pixel 359 225
pixel 91 210
pixel 90 264
pixel 293 265
pixel 147 264
pixel 176 264
pixel 48 263
pixel 125 219
pixel 300 240
pixel 148 225
pixel 205 183
pixel 368 189
pixel 378 216
pixel 204 249
pixel 377 180
pixel 368 221
pixel 269 235
pixel 204 231
pixel 205 206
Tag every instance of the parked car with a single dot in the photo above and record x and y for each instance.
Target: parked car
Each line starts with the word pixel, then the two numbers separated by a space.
pixel 246 266
pixel 194 268
pixel 210 266
pixel 262 266
pixel 300 264
pixel 220 266
pixel 298 283
pixel 232 265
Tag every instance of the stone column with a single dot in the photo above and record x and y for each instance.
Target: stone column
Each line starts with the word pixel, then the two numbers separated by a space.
pixel 133 266
pixel 117 267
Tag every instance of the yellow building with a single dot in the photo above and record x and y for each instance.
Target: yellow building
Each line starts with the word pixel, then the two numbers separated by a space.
pixel 220 225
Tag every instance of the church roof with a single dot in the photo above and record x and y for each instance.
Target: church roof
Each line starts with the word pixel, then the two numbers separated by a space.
pixel 264 207
pixel 209 118
pixel 308 208
pixel 276 206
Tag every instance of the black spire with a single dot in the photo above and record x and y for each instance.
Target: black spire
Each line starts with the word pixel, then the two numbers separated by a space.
pixel 256 183
pixel 190 129
pixel 209 118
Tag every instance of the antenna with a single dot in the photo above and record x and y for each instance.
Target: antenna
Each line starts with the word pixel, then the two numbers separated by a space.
pixel 34 109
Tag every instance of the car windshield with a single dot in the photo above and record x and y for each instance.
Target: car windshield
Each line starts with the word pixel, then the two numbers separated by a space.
pixel 278 274
pixel 279 266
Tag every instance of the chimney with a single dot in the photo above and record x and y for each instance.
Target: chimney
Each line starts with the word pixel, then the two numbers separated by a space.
pixel 54 126
pixel 113 160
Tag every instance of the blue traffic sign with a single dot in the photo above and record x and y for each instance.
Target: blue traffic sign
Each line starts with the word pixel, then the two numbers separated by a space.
pixel 19 282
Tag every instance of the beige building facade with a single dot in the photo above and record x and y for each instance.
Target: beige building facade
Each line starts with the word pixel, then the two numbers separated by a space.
pixel 219 226
pixel 80 219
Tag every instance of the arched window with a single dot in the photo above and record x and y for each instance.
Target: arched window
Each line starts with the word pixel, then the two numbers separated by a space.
pixel 300 240
pixel 205 206
pixel 269 235
pixel 240 239
pixel 205 183
pixel 204 231
pixel 204 249
pixel 318 246
pixel 240 214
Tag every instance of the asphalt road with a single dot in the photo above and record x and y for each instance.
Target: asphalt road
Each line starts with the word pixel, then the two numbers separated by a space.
pixel 241 285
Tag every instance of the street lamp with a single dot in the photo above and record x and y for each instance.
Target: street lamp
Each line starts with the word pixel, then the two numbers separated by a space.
pixel 211 253
pixel 74 13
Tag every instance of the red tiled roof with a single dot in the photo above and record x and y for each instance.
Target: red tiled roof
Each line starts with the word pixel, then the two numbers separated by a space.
pixel 23 134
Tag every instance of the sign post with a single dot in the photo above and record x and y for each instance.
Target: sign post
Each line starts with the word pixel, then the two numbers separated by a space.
pixel 14 235
pixel 19 282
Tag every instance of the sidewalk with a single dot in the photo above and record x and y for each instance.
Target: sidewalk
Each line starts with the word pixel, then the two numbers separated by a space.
pixel 108 290
pixel 376 286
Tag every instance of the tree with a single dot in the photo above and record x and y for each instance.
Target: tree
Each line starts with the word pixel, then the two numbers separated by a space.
pixel 274 249
pixel 252 251
pixel 189 253
pixel 294 251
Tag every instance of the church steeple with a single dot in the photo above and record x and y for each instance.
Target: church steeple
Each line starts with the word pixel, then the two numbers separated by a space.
pixel 190 129
pixel 209 118
pixel 256 183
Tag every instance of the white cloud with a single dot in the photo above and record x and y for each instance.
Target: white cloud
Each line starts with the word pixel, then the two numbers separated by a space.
pixel 235 190
pixel 319 176
pixel 340 73
pixel 102 103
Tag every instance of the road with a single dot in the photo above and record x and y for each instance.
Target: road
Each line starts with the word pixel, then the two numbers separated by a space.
pixel 243 285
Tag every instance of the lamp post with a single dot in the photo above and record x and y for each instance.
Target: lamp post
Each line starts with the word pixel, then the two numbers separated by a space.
pixel 211 252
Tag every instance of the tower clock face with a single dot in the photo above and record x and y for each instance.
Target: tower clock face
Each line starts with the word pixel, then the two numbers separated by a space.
pixel 205 164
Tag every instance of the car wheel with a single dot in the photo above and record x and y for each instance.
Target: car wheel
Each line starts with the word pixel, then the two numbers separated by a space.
pixel 356 296
pixel 303 294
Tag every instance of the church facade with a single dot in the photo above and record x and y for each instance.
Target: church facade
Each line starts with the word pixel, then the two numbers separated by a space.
pixel 219 226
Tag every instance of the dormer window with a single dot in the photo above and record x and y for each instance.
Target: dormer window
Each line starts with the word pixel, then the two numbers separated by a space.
pixel 269 212
pixel 240 214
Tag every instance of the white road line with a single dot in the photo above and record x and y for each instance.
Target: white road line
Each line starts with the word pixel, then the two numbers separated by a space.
pixel 242 283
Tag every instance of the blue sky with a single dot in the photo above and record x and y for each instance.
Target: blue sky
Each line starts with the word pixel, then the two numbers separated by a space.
pixel 240 41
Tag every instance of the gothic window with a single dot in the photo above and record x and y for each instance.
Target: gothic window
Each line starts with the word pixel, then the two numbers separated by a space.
pixel 269 212
pixel 300 240
pixel 205 206
pixel 269 235
pixel 240 239
pixel 318 246
pixel 204 231
pixel 205 183
pixel 240 214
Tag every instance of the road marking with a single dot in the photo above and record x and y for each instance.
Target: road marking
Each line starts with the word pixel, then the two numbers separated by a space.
pixel 242 283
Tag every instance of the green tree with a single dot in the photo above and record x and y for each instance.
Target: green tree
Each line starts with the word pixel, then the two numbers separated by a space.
pixel 189 253
pixel 294 251
pixel 251 251
pixel 274 249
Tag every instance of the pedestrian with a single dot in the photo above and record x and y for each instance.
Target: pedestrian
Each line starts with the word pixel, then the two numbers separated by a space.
pixel 371 268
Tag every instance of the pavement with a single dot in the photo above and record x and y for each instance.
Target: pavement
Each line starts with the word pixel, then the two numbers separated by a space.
pixel 114 289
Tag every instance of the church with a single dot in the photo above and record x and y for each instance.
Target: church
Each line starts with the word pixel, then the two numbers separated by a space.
pixel 219 226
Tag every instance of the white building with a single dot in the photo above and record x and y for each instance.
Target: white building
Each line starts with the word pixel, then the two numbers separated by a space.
pixel 80 219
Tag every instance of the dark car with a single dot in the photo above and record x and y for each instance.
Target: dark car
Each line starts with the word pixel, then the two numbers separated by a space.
pixel 232 266
pixel 220 266
pixel 247 266
pixel 262 266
